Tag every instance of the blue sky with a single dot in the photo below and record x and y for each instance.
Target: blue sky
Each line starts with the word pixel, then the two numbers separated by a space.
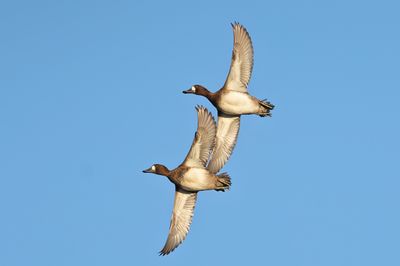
pixel 90 94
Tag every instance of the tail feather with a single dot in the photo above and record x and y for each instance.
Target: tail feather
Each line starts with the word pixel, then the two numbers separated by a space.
pixel 265 108
pixel 223 182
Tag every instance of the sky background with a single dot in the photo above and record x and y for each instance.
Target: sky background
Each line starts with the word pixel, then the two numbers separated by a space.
pixel 90 95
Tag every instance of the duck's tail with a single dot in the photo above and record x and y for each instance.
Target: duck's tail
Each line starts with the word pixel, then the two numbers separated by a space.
pixel 265 108
pixel 223 182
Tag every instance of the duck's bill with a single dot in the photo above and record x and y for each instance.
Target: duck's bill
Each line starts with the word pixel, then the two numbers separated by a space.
pixel 188 91
pixel 148 170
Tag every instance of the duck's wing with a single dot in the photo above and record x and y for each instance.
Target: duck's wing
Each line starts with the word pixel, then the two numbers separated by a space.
pixel 242 60
pixel 227 133
pixel 181 219
pixel 203 141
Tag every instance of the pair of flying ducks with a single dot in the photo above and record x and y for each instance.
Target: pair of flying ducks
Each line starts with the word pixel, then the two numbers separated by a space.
pixel 213 143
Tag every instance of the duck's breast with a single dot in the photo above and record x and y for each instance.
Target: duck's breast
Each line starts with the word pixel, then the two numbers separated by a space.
pixel 237 103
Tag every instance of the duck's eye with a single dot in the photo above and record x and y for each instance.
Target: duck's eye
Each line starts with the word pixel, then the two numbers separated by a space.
pixel 153 168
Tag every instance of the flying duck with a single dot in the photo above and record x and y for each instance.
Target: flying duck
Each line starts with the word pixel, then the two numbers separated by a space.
pixel 191 177
pixel 233 99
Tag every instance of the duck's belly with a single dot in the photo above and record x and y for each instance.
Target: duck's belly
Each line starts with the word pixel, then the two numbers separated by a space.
pixel 196 179
pixel 238 103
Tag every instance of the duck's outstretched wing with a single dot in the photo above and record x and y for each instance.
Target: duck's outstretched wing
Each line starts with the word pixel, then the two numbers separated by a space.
pixel 242 60
pixel 181 219
pixel 227 133
pixel 204 139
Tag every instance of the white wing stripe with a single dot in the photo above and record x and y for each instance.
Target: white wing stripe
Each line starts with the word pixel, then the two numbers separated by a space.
pixel 204 139
pixel 227 133
pixel 181 219
pixel 242 60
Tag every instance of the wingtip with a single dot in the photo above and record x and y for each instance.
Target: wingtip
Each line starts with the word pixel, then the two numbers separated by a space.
pixel 202 108
pixel 199 106
pixel 236 24
pixel 164 252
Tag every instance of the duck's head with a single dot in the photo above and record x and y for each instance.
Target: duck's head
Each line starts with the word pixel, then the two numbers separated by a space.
pixel 197 89
pixel 157 169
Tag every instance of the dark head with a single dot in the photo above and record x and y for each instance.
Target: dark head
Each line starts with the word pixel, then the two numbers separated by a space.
pixel 197 89
pixel 157 169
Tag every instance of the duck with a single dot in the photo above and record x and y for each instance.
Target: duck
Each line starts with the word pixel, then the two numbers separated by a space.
pixel 233 99
pixel 190 177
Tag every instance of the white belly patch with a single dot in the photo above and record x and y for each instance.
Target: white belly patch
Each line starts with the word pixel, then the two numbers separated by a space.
pixel 196 179
pixel 237 103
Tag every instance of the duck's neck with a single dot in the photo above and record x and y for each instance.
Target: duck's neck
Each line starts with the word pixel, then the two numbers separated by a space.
pixel 162 170
pixel 206 93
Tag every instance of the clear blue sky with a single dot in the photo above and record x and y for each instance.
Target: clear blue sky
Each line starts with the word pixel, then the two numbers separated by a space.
pixel 90 94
